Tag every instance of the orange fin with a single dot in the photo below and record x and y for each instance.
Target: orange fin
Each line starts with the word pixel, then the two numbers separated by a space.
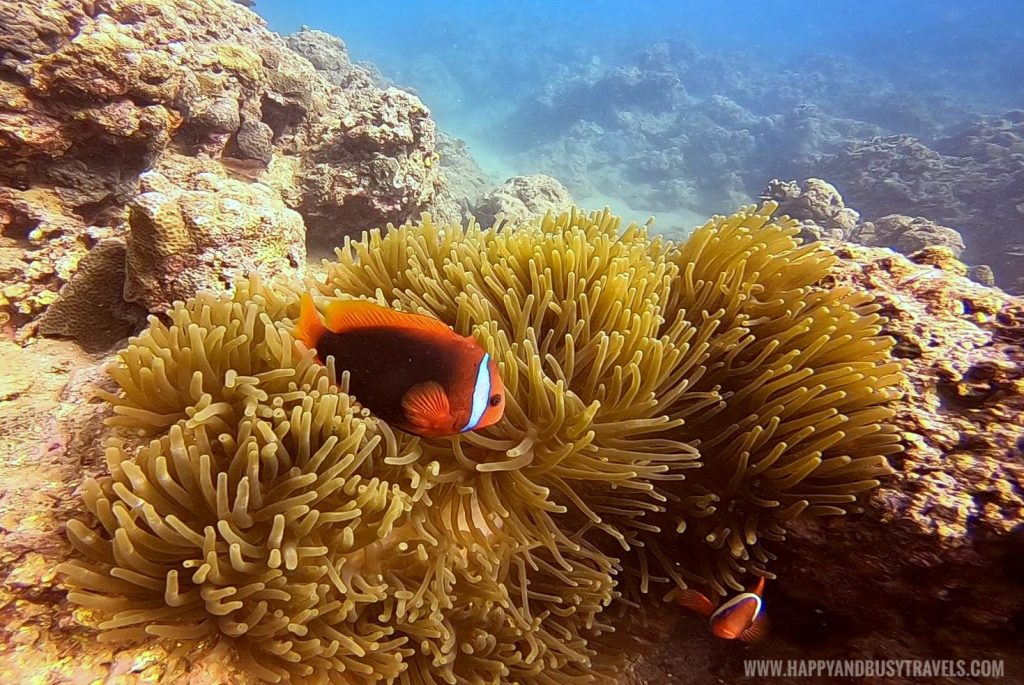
pixel 346 315
pixel 310 328
pixel 693 600
pixel 426 405
pixel 757 631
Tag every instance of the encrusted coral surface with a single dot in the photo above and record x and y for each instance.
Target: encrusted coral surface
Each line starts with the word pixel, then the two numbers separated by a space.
pixel 521 198
pixel 94 94
pixel 817 205
pixel 972 181
pixel 824 216
pixel 907 234
pixel 216 231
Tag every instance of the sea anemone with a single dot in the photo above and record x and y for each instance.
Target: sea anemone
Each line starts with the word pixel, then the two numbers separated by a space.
pixel 668 407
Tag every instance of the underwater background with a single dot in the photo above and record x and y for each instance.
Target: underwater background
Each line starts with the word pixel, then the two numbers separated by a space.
pixel 798 394
pixel 669 108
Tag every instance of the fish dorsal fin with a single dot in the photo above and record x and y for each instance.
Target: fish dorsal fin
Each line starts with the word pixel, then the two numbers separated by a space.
pixel 426 405
pixel 347 315
pixel 757 631
pixel 695 601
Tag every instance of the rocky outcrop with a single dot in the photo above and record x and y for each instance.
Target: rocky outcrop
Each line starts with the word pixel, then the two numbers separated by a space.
pixel 522 197
pixel 907 234
pixel 329 55
pixel 676 125
pixel 209 235
pixel 372 158
pixel 972 180
pixel 94 94
pixel 817 205
pixel 894 174
pixel 824 217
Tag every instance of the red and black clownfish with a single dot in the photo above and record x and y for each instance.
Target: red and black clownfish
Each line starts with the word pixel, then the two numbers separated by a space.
pixel 410 370
pixel 740 618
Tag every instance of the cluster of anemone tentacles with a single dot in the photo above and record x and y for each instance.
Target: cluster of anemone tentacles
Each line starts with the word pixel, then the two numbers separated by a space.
pixel 669 409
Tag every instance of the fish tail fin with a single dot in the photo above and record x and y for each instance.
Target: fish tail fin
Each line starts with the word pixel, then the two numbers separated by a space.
pixel 310 328
pixel 693 600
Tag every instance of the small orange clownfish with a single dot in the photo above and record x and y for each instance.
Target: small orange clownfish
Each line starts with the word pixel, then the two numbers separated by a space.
pixel 740 618
pixel 410 370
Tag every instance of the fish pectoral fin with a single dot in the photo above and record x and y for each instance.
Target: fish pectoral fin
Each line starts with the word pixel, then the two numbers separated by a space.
pixel 693 600
pixel 346 315
pixel 426 405
pixel 757 631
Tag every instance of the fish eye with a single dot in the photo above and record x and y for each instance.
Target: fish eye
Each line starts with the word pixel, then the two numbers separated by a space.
pixel 495 400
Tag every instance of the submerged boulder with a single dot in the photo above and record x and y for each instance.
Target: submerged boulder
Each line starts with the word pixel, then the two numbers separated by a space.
pixel 908 234
pixel 817 205
pixel 206 236
pixel 520 198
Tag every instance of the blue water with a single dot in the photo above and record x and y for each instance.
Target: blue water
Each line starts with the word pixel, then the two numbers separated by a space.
pixel 883 33
pixel 387 32
pixel 682 109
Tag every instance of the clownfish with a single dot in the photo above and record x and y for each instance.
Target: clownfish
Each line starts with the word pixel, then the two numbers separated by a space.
pixel 740 618
pixel 410 370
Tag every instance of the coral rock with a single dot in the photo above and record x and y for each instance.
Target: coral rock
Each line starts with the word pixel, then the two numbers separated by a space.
pixel 521 198
pixel 206 236
pixel 91 308
pixel 907 234
pixel 982 273
pixel 817 205
pixel 94 94
pixel 973 180
pixel 369 163
pixel 944 533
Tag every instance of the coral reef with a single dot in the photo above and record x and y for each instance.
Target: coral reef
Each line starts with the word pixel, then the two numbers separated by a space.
pixel 971 180
pixel 371 159
pixel 817 205
pixel 368 161
pixel 894 174
pixel 946 530
pixel 824 216
pixel 95 94
pixel 677 125
pixel 521 198
pixel 330 57
pixel 467 182
pixel 91 308
pixel 267 508
pixel 908 234
pixel 206 237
